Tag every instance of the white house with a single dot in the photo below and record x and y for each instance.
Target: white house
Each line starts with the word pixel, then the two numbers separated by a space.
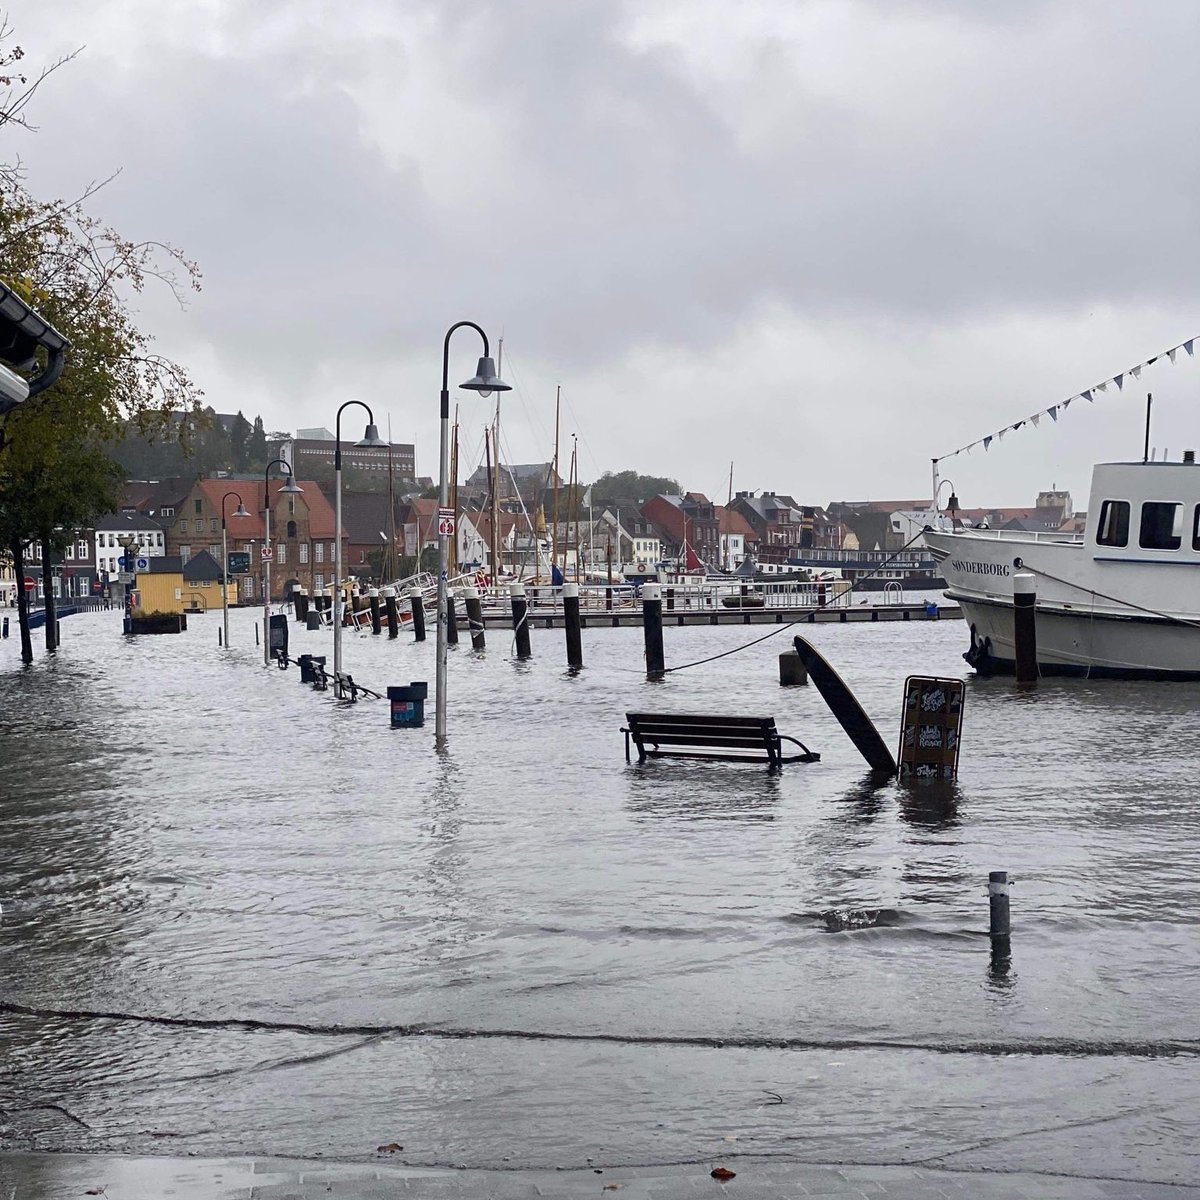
pixel 109 530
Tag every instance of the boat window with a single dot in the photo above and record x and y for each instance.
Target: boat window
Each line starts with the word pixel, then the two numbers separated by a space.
pixel 1162 525
pixel 1196 529
pixel 1113 529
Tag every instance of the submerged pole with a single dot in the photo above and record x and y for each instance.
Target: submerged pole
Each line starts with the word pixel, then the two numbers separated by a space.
pixel 1025 627
pixel 416 599
pixel 520 619
pixel 392 610
pixel 376 619
pixel 475 618
pixel 451 619
pixel 999 925
pixel 652 630
pixel 570 594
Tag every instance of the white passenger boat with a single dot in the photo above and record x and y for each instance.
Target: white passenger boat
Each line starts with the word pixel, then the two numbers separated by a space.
pixel 1122 599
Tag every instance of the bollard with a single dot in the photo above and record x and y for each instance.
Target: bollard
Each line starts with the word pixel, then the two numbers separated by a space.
pixel 219 631
pixel 376 622
pixel 1025 627
pixel 300 599
pixel 670 598
pixel 998 890
pixel 451 619
pixel 6 627
pixel 313 619
pixel 392 610
pixel 652 629
pixel 608 599
pixel 475 618
pixel 520 619
pixel 256 641
pixel 791 669
pixel 570 595
pixel 416 598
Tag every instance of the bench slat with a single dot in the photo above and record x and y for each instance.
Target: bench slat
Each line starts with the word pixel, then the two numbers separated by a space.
pixel 705 736
pixel 689 719
pixel 703 739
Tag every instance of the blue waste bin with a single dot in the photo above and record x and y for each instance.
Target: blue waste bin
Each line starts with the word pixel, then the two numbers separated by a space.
pixel 931 610
pixel 408 705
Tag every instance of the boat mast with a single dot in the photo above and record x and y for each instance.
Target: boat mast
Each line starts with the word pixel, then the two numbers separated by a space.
pixel 729 534
pixel 388 567
pixel 454 490
pixel 1146 450
pixel 575 496
pixel 554 513
pixel 487 451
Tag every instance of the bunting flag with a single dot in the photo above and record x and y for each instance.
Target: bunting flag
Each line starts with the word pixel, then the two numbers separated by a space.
pixel 1088 394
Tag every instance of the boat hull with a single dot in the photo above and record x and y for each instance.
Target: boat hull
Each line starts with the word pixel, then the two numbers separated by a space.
pixel 1098 647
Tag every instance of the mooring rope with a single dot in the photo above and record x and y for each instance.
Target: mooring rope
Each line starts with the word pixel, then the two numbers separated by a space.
pixel 799 620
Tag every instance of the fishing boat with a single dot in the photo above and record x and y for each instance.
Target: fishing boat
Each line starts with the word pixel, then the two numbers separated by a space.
pixel 1122 599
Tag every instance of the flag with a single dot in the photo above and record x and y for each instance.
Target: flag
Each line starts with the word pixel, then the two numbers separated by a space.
pixel 1136 372
pixel 1188 346
pixel 587 497
pixel 1052 412
pixel 1171 354
pixel 1034 420
pixel 987 441
pixel 1086 395
pixel 1117 380
pixel 1102 387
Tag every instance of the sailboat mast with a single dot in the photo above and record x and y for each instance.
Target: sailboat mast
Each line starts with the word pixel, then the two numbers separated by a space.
pixel 554 514
pixel 454 491
pixel 487 450
pixel 387 565
pixel 575 497
pixel 729 532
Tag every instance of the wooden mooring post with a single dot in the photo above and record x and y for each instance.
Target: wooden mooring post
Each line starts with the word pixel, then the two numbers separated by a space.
pixel 376 619
pixel 474 608
pixel 1025 627
pixel 570 594
pixel 520 619
pixel 652 629
pixel 416 599
pixel 451 619
pixel 392 609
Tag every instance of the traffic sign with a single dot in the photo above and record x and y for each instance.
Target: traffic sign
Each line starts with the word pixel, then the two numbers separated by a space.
pixel 446 525
pixel 30 583
pixel 267 554
pixel 143 564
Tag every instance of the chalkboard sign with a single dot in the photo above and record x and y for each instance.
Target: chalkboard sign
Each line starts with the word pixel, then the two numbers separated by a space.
pixel 930 728
pixel 239 562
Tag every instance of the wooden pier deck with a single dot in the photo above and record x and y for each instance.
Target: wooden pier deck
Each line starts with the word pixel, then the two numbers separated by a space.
pixel 598 618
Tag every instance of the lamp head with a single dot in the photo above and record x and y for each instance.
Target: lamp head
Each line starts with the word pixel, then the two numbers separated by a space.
pixel 486 381
pixel 291 488
pixel 371 438
pixel 241 510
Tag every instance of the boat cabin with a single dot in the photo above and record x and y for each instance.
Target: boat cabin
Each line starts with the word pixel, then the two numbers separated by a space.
pixel 1145 512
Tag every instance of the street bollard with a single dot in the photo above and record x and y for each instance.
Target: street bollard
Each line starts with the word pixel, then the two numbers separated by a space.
pixel 998 906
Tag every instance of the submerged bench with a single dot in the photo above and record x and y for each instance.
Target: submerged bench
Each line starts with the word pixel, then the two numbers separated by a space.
pixel 720 739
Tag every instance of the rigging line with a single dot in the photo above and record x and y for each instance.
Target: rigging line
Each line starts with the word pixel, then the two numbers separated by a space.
pixel 800 620
pixel 1152 612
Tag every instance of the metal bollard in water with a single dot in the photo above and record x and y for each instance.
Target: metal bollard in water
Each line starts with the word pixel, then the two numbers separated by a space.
pixel 652 630
pixel 998 892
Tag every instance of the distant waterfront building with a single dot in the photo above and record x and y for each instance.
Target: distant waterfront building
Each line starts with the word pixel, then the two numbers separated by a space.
pixel 312 457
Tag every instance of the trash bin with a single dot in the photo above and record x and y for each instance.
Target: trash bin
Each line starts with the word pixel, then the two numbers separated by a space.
pixel 308 667
pixel 931 610
pixel 408 705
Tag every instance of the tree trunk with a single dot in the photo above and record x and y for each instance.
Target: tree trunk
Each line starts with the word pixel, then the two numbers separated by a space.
pixel 18 555
pixel 47 588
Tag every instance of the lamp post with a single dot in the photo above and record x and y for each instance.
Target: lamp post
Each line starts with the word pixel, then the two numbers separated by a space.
pixel 290 488
pixel 369 439
pixel 485 382
pixel 241 512
pixel 131 546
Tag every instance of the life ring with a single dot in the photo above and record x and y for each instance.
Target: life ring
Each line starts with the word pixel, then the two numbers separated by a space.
pixel 641 568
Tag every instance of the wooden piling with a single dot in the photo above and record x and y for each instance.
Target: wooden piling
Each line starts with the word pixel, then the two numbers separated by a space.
pixel 792 670
pixel 652 630
pixel 1025 627
pixel 474 608
pixel 300 599
pixel 999 925
pixel 451 619
pixel 416 598
pixel 392 610
pixel 376 617
pixel 520 619
pixel 570 595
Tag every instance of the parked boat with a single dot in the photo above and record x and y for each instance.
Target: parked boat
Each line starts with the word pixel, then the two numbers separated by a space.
pixel 1122 599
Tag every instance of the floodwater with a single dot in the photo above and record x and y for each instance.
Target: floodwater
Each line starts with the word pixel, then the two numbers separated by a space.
pixel 238 917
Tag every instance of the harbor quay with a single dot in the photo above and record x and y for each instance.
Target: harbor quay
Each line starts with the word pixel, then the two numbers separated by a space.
pixel 258 942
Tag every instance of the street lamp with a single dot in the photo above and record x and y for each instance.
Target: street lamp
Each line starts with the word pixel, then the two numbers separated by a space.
pixel 485 381
pixel 291 488
pixel 369 439
pixel 241 512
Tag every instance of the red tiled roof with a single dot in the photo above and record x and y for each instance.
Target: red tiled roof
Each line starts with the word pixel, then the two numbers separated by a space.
pixel 320 513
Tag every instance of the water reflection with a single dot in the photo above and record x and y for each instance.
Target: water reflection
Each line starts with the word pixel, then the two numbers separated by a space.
pixel 702 791
pixel 931 805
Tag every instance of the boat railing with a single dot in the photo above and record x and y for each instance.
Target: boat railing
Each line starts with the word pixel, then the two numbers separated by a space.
pixel 1021 535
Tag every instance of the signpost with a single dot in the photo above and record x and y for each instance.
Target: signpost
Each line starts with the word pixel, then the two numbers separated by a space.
pixel 266 553
pixel 930 728
pixel 445 522
pixel 30 583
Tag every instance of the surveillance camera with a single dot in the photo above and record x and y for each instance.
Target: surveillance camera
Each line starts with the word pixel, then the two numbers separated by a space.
pixel 13 390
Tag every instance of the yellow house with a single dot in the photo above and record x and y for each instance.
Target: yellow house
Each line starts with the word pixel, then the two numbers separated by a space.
pixel 171 586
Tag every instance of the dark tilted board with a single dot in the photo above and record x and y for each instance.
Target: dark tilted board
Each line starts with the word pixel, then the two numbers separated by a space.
pixel 846 708
pixel 721 739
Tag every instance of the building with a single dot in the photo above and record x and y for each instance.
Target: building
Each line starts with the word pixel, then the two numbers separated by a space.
pixel 159 588
pixel 108 532
pixel 370 521
pixel 202 588
pixel 687 527
pixel 738 539
pixel 534 483
pixel 312 457
pixel 302 533
pixel 71 574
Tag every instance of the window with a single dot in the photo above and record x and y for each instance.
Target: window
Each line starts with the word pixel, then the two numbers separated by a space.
pixel 82 551
pixel 199 507
pixel 332 552
pixel 214 525
pixel 319 547
pixel 1113 529
pixel 215 551
pixel 304 546
pixel 1162 525
pixel 71 552
pixel 318 582
pixel 291 508
pixel 185 552
pixel 166 512
pixel 1196 529
pixel 281 553
pixel 291 529
pixel 158 539
pixel 183 525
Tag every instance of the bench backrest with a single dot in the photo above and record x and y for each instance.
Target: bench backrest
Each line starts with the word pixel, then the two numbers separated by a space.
pixel 686 729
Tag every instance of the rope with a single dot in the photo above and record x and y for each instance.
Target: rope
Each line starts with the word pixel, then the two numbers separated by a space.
pixel 800 620
pixel 1151 612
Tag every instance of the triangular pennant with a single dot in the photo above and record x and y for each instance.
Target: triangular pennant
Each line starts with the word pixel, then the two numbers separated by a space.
pixel 1001 434
pixel 1188 346
pixel 1052 411
pixel 1171 354
pixel 1151 361
pixel 1117 380
pixel 987 441
pixel 1067 403
pixel 1086 395
pixel 1101 387
pixel 1136 372
pixel 1017 426
pixel 1034 419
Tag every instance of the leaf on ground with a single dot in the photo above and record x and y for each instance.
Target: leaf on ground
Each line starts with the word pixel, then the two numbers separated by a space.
pixel 390 1148
pixel 723 1173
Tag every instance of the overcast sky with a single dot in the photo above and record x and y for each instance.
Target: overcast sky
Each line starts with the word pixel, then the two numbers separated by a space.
pixel 825 241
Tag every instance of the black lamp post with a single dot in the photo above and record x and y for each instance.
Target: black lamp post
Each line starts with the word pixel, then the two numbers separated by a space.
pixel 291 488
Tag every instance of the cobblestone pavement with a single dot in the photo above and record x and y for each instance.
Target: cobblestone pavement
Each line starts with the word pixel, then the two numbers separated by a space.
pixel 117 1177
